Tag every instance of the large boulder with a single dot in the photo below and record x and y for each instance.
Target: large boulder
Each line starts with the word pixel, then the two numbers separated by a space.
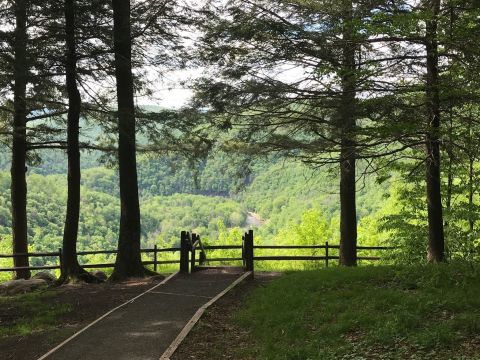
pixel 21 286
pixel 45 275
pixel 99 275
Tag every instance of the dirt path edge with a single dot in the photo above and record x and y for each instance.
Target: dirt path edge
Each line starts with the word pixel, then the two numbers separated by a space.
pixel 196 317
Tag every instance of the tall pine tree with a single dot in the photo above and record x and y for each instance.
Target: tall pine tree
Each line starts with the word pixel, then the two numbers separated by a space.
pixel 128 262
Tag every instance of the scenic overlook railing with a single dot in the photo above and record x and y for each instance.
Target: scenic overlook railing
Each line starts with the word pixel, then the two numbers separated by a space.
pixel 190 244
pixel 155 262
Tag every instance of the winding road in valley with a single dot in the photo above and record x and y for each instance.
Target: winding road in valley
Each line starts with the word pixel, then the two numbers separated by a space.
pixel 254 219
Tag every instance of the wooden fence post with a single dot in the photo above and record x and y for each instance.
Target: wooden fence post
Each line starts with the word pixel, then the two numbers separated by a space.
pixel 203 257
pixel 249 251
pixel 326 254
pixel 192 260
pixel 183 253
pixel 155 257
pixel 60 259
pixel 244 254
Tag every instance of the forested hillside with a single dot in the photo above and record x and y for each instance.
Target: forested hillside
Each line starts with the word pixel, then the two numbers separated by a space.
pixel 293 203
pixel 177 196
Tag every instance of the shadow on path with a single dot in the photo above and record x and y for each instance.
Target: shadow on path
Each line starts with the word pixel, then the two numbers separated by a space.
pixel 144 328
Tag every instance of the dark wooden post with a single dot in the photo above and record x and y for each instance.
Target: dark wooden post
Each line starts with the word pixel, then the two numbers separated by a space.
pixel 326 253
pixel 249 251
pixel 60 259
pixel 155 257
pixel 184 253
pixel 250 233
pixel 203 257
pixel 192 260
pixel 244 254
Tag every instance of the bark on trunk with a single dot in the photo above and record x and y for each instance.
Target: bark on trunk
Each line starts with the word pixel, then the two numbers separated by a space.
pixel 128 262
pixel 436 242
pixel 19 145
pixel 348 212
pixel 72 270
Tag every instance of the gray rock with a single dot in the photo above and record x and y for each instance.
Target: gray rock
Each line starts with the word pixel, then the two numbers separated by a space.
pixel 45 275
pixel 99 274
pixel 21 286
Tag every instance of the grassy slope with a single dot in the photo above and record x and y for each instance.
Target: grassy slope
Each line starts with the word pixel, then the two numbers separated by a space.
pixel 367 313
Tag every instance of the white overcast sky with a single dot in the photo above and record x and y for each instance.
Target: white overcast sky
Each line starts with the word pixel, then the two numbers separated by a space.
pixel 171 89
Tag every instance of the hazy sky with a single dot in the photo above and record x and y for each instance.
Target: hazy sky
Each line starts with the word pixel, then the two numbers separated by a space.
pixel 171 89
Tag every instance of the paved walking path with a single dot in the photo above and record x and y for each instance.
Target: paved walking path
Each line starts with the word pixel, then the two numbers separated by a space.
pixel 144 328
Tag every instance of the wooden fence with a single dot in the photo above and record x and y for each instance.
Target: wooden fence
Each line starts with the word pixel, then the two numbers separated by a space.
pixel 191 243
pixel 155 262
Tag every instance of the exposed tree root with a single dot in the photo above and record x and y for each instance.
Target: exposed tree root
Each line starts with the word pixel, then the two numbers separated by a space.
pixel 77 274
pixel 120 275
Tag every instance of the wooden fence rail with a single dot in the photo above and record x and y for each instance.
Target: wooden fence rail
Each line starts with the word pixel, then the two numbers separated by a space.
pixel 192 243
pixel 155 250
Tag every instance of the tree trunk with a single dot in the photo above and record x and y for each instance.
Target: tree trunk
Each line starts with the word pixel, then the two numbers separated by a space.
pixel 348 212
pixel 128 262
pixel 436 242
pixel 71 269
pixel 19 145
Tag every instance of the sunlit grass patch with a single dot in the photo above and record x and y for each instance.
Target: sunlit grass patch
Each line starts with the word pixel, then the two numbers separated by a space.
pixel 366 312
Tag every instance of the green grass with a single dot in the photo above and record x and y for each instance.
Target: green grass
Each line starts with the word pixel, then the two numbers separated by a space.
pixel 381 312
pixel 36 312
